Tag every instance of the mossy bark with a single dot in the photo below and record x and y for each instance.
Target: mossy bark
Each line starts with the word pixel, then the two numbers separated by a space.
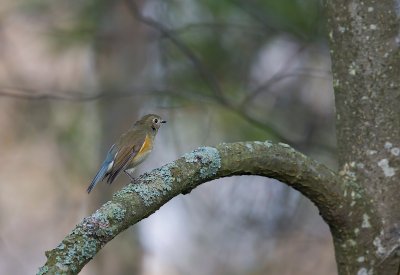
pixel 364 38
pixel 139 200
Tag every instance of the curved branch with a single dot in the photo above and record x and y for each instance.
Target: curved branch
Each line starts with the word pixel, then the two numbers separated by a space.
pixel 152 190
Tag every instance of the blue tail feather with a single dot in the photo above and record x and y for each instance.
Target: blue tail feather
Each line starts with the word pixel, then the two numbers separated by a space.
pixel 99 176
pixel 102 173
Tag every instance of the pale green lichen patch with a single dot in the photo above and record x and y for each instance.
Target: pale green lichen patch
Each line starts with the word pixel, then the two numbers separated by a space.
pixel 348 173
pixel 352 70
pixel 388 145
pixel 95 225
pixel 395 151
pixel 268 143
pixel 114 211
pixel 146 192
pixel 336 84
pixel 341 29
pixel 249 146
pixel 380 249
pixel 152 185
pixel 365 222
pixel 82 250
pixel 88 248
pixel 103 222
pixel 43 270
pixel 61 267
pixel 388 171
pixel 351 242
pixel 209 158
pixel 373 27
pixel 284 145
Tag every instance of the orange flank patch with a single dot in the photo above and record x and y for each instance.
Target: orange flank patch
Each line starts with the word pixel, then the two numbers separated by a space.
pixel 146 147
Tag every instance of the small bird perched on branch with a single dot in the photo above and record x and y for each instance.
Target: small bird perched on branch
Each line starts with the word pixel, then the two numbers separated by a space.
pixel 131 149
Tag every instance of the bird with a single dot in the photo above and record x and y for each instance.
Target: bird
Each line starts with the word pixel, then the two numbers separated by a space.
pixel 130 150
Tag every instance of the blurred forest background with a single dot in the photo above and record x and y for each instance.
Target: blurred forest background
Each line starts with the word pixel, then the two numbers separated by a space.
pixel 75 74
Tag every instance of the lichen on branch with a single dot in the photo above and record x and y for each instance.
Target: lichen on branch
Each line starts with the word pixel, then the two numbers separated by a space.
pixel 150 191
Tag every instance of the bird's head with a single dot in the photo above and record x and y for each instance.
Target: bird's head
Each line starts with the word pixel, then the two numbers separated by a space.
pixel 151 121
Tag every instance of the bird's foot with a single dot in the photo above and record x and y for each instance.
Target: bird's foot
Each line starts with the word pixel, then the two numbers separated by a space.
pixel 133 180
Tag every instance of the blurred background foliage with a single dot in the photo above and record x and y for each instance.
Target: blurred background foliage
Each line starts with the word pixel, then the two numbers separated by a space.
pixel 76 74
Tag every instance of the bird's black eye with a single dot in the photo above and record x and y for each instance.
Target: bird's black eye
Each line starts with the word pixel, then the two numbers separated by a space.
pixel 155 120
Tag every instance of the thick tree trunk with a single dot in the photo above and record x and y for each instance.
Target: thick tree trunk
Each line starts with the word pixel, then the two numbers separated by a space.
pixel 364 37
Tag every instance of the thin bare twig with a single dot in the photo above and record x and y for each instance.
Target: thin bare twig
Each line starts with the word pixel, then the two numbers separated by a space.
pixel 76 96
pixel 264 87
pixel 275 77
pixel 204 73
pixel 255 13
pixel 256 29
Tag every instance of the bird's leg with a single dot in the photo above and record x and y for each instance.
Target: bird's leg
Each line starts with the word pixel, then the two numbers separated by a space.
pixel 130 176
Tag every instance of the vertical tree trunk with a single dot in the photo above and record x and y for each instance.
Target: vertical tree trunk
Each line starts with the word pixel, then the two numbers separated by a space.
pixel 364 39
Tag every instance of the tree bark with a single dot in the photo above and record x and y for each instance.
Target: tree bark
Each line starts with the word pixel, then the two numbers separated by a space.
pixel 139 200
pixel 364 39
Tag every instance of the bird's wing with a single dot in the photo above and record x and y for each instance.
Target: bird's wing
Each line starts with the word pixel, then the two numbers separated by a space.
pixel 129 146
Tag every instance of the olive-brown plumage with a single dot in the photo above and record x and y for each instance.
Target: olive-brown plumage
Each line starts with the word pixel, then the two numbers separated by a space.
pixel 131 149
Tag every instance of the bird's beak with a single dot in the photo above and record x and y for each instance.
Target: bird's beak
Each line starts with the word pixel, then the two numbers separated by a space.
pixel 163 121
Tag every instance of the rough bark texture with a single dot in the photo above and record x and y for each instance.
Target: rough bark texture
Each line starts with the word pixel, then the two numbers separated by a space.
pixel 364 37
pixel 139 200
